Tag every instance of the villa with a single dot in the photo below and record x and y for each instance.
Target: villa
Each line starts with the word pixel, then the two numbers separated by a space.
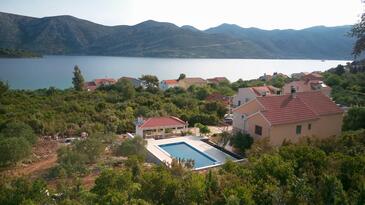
pixel 289 117
pixel 244 95
pixel 160 127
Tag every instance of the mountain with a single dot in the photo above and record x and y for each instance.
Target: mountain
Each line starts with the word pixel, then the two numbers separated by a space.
pixel 72 36
pixel 318 42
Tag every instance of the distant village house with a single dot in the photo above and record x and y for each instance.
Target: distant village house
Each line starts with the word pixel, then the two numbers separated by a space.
pixel 93 85
pixel 245 95
pixel 308 83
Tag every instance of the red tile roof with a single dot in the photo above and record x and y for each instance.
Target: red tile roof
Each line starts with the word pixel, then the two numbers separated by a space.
pixel 305 106
pixel 170 82
pixel 161 122
pixel 259 90
pixel 90 86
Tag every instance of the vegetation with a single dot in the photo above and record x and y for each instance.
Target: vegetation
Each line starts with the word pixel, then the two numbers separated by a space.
pixel 15 53
pixel 358 31
pixel 16 140
pixel 331 171
pixel 348 84
pixel 133 147
pixel 241 142
pixel 78 79
pixel 355 119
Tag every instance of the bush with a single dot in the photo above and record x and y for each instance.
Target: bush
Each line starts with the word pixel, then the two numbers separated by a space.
pixel 241 141
pixel 135 146
pixel 13 149
pixel 19 129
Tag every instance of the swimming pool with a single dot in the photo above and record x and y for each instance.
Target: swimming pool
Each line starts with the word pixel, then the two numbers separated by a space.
pixel 185 151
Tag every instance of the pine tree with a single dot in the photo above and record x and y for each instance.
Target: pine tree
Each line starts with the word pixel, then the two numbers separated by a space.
pixel 78 79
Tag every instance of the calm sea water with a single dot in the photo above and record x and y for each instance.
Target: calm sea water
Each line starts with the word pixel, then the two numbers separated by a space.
pixel 57 70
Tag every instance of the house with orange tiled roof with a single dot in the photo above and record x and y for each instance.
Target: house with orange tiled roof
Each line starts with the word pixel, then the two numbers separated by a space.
pixel 244 95
pixel 289 117
pixel 166 84
pixel 160 127
pixel 92 85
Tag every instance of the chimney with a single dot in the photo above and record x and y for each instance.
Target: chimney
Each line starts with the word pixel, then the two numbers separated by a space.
pixel 293 91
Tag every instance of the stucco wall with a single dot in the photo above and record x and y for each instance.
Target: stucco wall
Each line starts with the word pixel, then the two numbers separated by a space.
pixel 259 120
pixel 288 131
pixel 242 94
pixel 329 125
pixel 324 127
pixel 247 110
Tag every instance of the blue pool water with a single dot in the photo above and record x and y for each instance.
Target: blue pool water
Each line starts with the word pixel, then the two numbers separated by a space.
pixel 183 150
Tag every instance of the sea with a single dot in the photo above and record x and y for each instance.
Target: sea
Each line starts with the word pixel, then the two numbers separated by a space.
pixel 56 70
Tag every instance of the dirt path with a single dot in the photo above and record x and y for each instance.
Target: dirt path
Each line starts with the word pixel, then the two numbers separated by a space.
pixel 44 156
pixel 35 168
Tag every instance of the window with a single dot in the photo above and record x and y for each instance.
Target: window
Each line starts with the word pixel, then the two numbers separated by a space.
pixel 299 129
pixel 239 102
pixel 258 130
pixel 243 116
pixel 309 126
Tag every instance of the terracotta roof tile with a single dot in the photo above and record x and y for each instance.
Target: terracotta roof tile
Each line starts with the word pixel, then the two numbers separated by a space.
pixel 162 121
pixel 170 82
pixel 305 106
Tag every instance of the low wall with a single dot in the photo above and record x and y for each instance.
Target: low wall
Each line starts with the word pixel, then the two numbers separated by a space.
pixel 222 149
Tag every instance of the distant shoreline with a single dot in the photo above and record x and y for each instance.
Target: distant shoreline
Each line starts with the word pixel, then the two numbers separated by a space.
pixel 17 53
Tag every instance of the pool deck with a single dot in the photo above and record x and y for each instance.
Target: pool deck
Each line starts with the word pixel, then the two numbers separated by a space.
pixel 163 156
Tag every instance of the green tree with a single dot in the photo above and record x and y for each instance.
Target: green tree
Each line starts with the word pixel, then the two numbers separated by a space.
pixel 126 88
pixel 241 141
pixel 78 79
pixel 17 130
pixel 203 129
pixel 91 147
pixel 13 149
pixel 149 81
pixel 355 119
pixel 181 76
pixel 134 146
pixel 358 31
pixel 332 191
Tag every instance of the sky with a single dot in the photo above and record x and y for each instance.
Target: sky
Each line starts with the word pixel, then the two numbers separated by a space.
pixel 202 14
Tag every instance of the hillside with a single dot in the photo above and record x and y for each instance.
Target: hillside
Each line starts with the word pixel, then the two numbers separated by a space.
pixel 315 42
pixel 72 36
